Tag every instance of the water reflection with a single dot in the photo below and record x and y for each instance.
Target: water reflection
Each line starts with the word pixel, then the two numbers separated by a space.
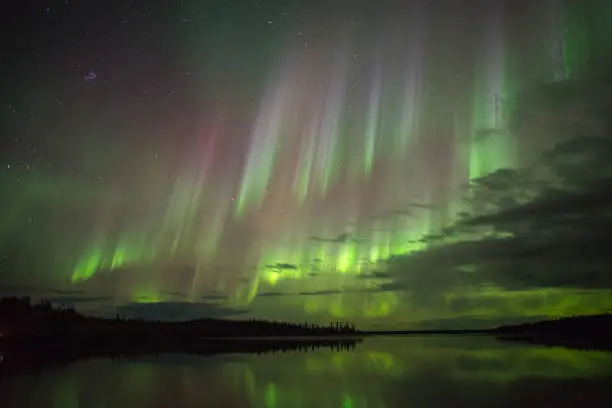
pixel 380 372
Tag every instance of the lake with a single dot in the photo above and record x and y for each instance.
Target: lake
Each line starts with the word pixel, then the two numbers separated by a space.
pixel 381 372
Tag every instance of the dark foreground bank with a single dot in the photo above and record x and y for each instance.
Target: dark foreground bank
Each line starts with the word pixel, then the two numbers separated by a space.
pixel 593 332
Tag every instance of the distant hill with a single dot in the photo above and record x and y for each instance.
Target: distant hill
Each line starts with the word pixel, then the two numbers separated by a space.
pixel 585 332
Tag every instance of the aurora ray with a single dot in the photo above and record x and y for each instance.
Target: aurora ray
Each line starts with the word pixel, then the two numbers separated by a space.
pixel 303 162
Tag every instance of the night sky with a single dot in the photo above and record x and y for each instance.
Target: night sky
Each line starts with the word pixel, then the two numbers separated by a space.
pixel 396 164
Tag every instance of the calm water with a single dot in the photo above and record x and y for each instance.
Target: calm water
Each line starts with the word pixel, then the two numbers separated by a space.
pixel 380 372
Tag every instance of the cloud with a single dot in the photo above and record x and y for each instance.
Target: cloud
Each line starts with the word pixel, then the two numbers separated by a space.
pixel 407 210
pixel 213 296
pixel 18 290
pixel 343 238
pixel 282 266
pixel 374 275
pixel 172 293
pixel 72 300
pixel 559 240
pixel 272 294
pixel 43 293
pixel 66 292
pixel 392 287
pixel 547 225
pixel 319 292
pixel 176 311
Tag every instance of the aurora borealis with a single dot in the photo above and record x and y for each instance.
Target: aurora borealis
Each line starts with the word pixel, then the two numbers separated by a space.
pixel 417 163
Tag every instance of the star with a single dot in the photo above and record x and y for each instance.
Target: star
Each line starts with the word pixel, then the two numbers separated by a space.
pixel 90 76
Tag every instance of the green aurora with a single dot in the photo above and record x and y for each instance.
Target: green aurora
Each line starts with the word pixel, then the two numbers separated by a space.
pixel 329 162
